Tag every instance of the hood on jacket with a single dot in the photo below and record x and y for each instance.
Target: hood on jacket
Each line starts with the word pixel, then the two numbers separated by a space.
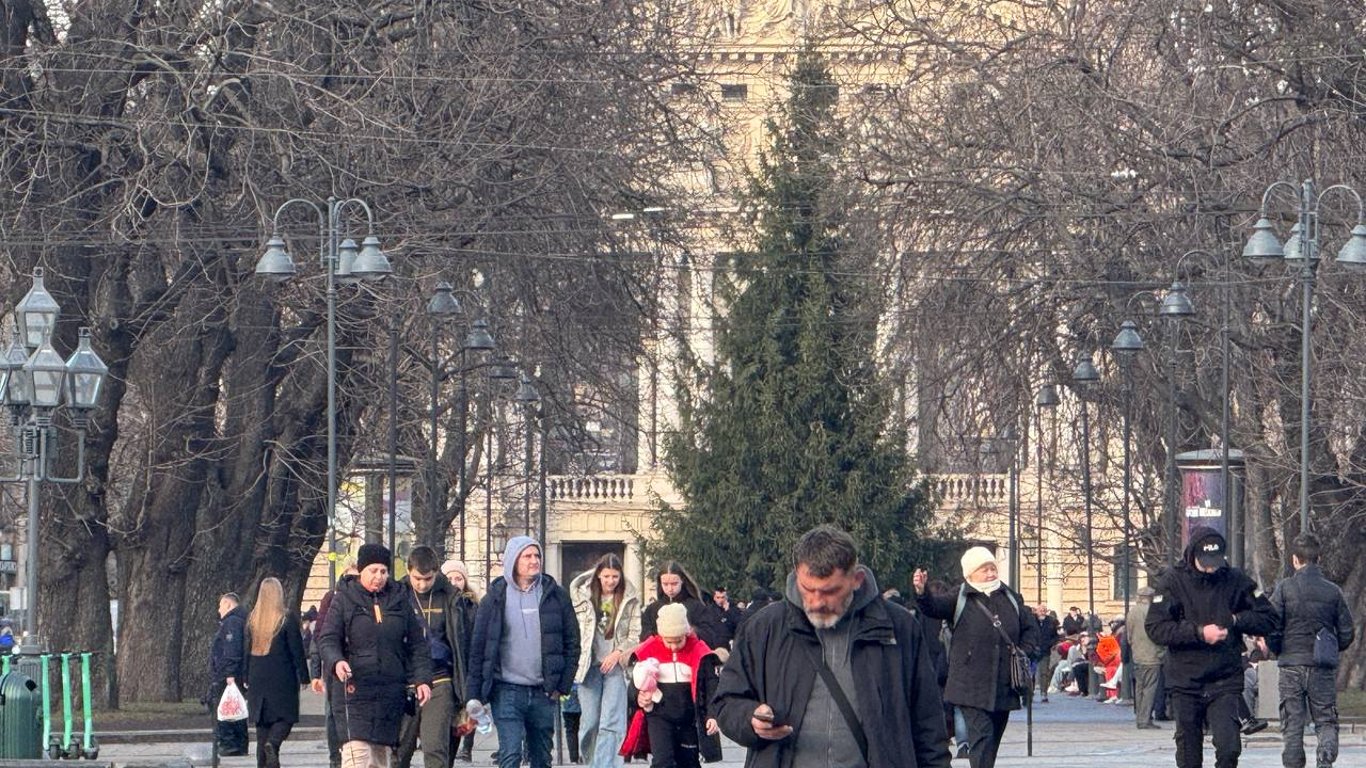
pixel 860 600
pixel 1208 546
pixel 515 546
pixel 581 588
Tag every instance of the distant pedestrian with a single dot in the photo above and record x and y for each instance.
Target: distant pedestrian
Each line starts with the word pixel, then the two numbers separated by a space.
pixel 275 670
pixel 227 657
pixel 1050 633
pixel 979 613
pixel 1201 611
pixel 1073 623
pixel 608 611
pixel 373 644
pixel 833 675
pixel 1317 627
pixel 524 653
pixel 1147 656
pixel 725 615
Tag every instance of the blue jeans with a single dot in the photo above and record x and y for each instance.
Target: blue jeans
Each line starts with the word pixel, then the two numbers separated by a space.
pixel 602 726
pixel 523 712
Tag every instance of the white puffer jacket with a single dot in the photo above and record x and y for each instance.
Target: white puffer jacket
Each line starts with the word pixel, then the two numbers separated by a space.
pixel 628 621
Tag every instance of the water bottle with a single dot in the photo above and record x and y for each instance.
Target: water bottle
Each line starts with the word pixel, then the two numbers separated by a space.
pixel 483 721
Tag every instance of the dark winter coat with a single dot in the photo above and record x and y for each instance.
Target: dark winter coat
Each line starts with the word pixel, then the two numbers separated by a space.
pixel 273 680
pixel 1073 625
pixel 707 624
pixel 1188 599
pixel 448 638
pixel 1307 602
pixel 1048 635
pixel 559 639
pixel 979 660
pixel 226 653
pixel 386 656
pixel 895 694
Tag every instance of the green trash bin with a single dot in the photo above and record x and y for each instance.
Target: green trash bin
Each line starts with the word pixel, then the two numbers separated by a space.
pixel 21 724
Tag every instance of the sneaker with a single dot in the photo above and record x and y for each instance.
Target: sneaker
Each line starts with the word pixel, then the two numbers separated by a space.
pixel 1149 727
pixel 1044 700
pixel 1251 725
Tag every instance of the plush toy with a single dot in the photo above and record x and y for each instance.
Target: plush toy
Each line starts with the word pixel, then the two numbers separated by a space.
pixel 645 675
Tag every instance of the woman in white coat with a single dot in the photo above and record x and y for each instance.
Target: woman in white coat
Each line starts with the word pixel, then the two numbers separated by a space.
pixel 608 610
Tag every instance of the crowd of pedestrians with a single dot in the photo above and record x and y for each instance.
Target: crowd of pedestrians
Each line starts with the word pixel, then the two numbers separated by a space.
pixel 832 671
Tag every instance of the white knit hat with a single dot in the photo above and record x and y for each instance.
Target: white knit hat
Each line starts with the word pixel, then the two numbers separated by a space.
pixel 673 621
pixel 976 558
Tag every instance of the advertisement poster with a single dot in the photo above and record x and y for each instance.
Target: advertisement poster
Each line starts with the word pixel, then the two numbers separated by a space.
pixel 1202 501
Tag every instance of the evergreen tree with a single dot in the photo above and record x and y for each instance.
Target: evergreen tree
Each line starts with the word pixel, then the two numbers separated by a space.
pixel 790 427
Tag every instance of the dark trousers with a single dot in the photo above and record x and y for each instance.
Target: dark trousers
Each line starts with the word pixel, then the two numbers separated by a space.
pixel 985 729
pixel 1160 698
pixel 231 737
pixel 1081 675
pixel 274 735
pixel 1220 710
pixel 1312 692
pixel 571 734
pixel 673 742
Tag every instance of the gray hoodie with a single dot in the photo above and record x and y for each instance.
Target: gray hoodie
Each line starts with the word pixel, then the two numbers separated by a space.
pixel 520 649
pixel 823 737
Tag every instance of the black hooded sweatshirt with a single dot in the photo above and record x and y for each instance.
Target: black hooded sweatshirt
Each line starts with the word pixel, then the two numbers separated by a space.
pixel 1187 599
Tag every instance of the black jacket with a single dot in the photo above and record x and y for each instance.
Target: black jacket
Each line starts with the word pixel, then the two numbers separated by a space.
pixel 979 661
pixel 386 656
pixel 559 640
pixel 896 697
pixel 449 638
pixel 1187 600
pixel 1048 635
pixel 1305 603
pixel 273 679
pixel 226 654
pixel 706 623
pixel 1073 625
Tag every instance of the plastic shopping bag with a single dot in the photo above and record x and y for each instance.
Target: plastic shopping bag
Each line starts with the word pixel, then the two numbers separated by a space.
pixel 233 705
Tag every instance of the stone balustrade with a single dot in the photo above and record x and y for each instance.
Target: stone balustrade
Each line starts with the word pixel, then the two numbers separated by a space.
pixel 591 488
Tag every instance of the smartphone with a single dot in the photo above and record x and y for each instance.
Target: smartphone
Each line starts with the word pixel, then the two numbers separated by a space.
pixel 767 717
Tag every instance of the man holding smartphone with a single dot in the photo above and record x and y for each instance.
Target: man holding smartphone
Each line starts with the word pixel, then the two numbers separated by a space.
pixel 806 683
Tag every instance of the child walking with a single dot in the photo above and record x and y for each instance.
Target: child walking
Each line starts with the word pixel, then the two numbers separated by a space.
pixel 673 680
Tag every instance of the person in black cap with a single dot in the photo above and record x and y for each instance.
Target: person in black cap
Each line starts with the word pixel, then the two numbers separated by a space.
pixel 1201 611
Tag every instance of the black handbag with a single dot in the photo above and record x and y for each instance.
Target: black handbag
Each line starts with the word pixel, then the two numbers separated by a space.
pixel 1326 649
pixel 1021 681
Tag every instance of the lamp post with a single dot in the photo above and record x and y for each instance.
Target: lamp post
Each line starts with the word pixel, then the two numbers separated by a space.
pixel 528 398
pixel 1083 376
pixel 443 306
pixel 1126 346
pixel 501 371
pixel 1047 398
pixel 342 262
pixel 34 385
pixel 1303 247
pixel 1174 307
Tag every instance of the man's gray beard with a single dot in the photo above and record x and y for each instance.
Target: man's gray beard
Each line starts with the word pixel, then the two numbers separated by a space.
pixel 828 620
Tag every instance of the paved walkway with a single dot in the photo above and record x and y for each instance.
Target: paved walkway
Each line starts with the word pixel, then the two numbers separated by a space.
pixel 1064 729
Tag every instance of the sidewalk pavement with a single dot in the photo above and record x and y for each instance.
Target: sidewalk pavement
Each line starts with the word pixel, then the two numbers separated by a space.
pixel 1063 730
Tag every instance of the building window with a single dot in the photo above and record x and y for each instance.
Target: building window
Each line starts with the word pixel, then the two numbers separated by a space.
pixel 734 92
pixel 682 89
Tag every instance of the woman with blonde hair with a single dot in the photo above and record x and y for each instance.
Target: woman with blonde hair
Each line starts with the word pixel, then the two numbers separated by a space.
pixel 275 670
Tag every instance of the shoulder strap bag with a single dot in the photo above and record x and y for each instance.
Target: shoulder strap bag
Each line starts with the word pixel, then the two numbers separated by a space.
pixel 841 700
pixel 1021 681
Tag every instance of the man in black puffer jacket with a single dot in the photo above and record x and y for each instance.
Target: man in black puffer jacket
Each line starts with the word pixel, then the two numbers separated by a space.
pixel 1201 611
pixel 524 654
pixel 1309 606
